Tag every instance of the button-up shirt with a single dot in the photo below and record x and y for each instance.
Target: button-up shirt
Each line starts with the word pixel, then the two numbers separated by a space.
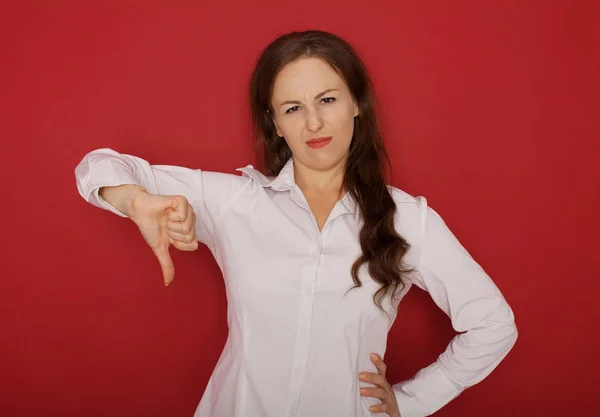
pixel 298 338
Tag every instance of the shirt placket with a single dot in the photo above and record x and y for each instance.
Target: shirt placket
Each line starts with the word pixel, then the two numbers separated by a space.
pixel 308 288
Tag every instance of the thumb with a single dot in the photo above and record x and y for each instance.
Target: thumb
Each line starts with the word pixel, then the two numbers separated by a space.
pixel 166 263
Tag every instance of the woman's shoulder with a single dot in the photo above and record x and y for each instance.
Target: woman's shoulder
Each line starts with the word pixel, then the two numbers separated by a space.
pixel 250 173
pixel 240 177
pixel 411 213
pixel 245 182
pixel 405 200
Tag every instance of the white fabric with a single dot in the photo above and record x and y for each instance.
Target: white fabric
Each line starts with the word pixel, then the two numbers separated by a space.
pixel 297 339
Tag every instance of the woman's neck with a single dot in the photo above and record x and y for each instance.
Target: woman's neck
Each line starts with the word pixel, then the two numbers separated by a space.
pixel 320 182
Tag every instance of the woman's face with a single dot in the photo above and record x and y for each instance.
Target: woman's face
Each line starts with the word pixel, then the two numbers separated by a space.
pixel 314 111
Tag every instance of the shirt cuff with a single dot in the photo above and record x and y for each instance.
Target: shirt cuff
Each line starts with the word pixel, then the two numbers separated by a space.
pixel 428 391
pixel 102 203
pixel 101 171
pixel 409 405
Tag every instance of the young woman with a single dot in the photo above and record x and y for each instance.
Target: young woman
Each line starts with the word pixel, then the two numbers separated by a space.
pixel 316 250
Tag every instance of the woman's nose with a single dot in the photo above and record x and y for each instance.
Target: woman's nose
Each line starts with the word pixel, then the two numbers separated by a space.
pixel 314 121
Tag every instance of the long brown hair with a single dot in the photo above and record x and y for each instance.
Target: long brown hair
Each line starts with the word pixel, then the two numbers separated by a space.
pixel 366 168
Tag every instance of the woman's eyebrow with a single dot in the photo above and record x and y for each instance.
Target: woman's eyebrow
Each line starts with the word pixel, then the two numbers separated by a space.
pixel 318 96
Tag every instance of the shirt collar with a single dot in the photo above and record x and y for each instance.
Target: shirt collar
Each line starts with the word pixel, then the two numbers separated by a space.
pixel 285 181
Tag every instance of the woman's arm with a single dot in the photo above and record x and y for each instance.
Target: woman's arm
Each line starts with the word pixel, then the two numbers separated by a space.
pixel 108 179
pixel 121 196
pixel 462 289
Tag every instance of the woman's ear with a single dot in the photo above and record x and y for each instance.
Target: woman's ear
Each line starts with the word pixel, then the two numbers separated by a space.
pixel 356 109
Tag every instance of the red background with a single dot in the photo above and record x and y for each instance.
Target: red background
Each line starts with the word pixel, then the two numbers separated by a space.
pixel 490 109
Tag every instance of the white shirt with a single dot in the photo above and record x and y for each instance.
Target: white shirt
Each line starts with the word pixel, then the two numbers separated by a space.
pixel 297 341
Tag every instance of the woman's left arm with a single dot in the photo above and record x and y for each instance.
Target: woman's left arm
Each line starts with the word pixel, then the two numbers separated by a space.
pixel 462 289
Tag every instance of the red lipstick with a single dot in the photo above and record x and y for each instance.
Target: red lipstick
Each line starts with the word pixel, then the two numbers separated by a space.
pixel 319 142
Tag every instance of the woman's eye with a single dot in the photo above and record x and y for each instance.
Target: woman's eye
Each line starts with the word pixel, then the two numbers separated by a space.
pixel 327 100
pixel 291 109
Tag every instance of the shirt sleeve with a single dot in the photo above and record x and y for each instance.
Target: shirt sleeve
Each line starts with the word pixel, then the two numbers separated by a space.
pixel 477 309
pixel 209 193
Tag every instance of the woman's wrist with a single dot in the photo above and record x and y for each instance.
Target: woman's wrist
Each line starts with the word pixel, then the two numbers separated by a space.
pixel 122 197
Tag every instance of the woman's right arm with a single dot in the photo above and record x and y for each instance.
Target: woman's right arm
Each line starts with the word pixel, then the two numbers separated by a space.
pixel 102 169
pixel 129 187
pixel 108 168
pixel 121 197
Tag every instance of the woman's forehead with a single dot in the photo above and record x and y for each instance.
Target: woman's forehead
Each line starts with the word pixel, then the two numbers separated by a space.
pixel 305 77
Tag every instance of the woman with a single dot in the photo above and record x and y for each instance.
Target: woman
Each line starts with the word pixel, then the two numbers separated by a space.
pixel 317 253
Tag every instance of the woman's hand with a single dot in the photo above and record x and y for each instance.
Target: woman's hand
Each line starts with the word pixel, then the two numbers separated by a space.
pixel 163 221
pixel 383 390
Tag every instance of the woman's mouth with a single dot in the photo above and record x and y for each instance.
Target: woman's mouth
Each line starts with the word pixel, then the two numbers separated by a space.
pixel 319 142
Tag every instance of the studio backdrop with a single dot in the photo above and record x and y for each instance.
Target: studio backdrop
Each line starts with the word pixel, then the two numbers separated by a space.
pixel 489 109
